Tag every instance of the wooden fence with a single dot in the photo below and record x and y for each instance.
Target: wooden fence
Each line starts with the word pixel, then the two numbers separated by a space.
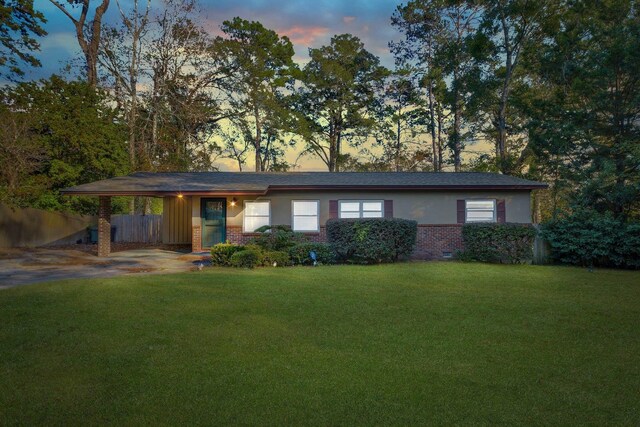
pixel 29 227
pixel 137 228
pixel 541 250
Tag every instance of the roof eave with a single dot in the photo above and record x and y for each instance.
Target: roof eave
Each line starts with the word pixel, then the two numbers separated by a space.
pixel 72 192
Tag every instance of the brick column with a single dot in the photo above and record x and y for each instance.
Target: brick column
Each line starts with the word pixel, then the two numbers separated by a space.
pixel 104 226
pixel 196 238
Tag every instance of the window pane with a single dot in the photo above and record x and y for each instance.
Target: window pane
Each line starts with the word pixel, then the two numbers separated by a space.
pixel 372 214
pixel 480 204
pixel 256 208
pixel 350 207
pixel 251 223
pixel 372 206
pixel 349 214
pixel 305 223
pixel 305 208
pixel 479 216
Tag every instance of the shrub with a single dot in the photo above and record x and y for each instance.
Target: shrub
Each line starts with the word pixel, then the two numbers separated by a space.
pixel 372 240
pixel 277 238
pixel 222 252
pixel 502 243
pixel 300 253
pixel 588 238
pixel 280 258
pixel 247 258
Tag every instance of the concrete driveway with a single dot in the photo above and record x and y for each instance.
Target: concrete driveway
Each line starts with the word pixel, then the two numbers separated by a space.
pixel 24 266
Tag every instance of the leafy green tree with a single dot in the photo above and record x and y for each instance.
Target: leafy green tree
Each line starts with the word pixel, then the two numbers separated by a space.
pixel 20 24
pixel 508 28
pixel 74 135
pixel 340 98
pixel 584 105
pixel 259 67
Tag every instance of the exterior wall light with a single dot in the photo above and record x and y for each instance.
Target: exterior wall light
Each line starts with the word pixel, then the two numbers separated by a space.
pixel 233 202
pixel 180 196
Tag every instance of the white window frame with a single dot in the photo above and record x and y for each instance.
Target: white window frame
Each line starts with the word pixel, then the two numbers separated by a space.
pixel 244 213
pixel 466 211
pixel 360 211
pixel 317 215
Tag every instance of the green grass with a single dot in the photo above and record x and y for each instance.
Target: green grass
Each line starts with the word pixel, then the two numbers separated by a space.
pixel 397 344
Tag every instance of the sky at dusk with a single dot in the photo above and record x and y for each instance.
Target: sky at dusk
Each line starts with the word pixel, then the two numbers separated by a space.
pixel 308 23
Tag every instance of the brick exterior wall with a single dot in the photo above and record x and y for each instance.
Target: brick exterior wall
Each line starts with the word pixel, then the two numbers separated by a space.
pixel 431 242
pixel 104 226
pixel 235 235
pixel 196 238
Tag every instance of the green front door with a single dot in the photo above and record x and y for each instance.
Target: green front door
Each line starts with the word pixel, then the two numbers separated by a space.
pixel 214 221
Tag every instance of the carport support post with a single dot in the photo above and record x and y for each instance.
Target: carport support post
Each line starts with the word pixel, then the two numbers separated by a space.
pixel 104 226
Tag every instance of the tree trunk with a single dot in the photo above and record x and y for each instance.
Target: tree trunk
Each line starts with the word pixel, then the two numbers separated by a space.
pixel 332 149
pixel 258 140
pixel 398 142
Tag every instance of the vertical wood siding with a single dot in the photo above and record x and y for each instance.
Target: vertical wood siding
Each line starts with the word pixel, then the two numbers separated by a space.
pixel 176 225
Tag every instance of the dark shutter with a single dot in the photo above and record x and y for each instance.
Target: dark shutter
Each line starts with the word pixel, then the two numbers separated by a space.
pixel 501 211
pixel 333 209
pixel 461 207
pixel 388 208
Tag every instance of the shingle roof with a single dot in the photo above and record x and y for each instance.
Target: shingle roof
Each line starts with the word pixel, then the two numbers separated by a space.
pixel 148 183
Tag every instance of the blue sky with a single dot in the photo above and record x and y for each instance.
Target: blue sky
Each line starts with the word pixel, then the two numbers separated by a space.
pixel 308 23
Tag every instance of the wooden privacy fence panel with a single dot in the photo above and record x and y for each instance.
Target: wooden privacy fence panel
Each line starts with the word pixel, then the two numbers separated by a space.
pixel 137 228
pixel 541 249
pixel 29 227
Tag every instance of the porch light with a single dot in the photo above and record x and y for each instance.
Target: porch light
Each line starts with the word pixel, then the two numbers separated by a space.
pixel 233 202
pixel 180 196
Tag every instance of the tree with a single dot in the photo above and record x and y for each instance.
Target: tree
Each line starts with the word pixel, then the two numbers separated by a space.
pixel 455 58
pixel 71 135
pixel 88 31
pixel 340 97
pixel 184 105
pixel 419 22
pixel 439 39
pixel 584 105
pixel 508 28
pixel 259 66
pixel 402 127
pixel 120 53
pixel 20 24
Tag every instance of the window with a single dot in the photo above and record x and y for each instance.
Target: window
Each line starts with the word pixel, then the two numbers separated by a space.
pixel 361 209
pixel 480 211
pixel 305 215
pixel 256 214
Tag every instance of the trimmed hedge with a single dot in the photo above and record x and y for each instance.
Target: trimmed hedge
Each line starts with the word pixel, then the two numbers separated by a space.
pixel 222 252
pixel 498 243
pixel 300 253
pixel 591 239
pixel 247 258
pixel 372 240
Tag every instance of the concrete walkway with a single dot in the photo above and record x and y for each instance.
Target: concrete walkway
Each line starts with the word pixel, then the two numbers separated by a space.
pixel 25 266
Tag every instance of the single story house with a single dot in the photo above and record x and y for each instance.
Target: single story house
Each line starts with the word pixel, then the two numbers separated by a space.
pixel 205 208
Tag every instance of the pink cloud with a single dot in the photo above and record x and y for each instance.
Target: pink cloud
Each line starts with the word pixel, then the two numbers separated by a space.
pixel 348 19
pixel 303 35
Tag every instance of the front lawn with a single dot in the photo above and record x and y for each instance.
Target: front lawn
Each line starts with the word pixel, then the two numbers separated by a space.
pixel 417 343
